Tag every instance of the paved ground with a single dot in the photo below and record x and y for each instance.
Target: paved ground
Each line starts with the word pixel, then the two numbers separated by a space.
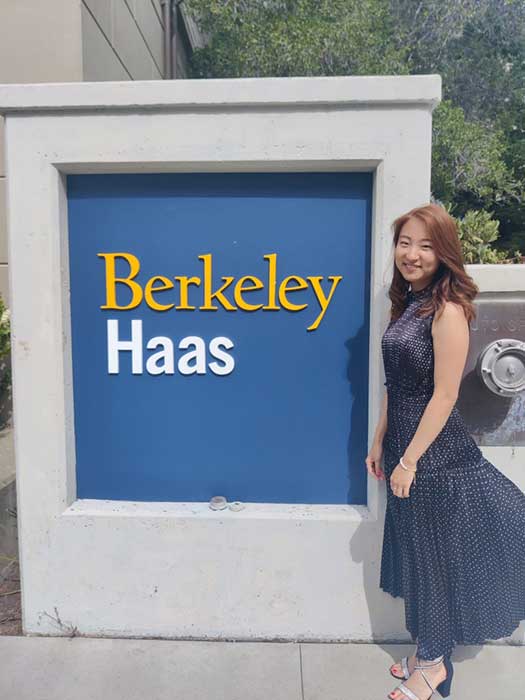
pixel 44 668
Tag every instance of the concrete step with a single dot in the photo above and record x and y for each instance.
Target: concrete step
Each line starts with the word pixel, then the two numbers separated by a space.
pixel 51 668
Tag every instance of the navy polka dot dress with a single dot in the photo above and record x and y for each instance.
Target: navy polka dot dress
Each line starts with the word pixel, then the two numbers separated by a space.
pixel 454 549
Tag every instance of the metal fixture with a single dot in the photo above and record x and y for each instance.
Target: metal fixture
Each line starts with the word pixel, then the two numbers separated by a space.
pixel 501 367
pixel 236 505
pixel 166 21
pixel 218 503
pixel 169 20
pixel 492 393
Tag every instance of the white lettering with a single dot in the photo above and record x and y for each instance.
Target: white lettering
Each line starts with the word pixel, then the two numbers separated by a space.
pixel 216 351
pixel 165 356
pixel 198 354
pixel 163 361
pixel 115 346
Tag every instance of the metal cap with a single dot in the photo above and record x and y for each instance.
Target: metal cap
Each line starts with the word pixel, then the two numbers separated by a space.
pixel 501 367
pixel 236 505
pixel 218 503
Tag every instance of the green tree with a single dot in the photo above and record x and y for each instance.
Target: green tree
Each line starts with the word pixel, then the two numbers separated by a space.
pixel 478 46
pixel 255 38
pixel 479 152
pixel 468 165
pixel 511 212
pixel 484 67
pixel 428 27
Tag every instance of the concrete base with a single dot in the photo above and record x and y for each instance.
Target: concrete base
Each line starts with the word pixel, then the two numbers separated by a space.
pixel 126 569
pixel 86 668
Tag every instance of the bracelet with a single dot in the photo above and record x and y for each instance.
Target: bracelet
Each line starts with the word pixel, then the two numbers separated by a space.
pixel 407 468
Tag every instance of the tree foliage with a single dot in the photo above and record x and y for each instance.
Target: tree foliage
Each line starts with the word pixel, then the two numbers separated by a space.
pixel 295 37
pixel 468 165
pixel 478 46
pixel 427 28
pixel 477 232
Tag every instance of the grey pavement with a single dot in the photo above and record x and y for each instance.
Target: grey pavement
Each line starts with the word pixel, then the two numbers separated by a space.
pixel 79 668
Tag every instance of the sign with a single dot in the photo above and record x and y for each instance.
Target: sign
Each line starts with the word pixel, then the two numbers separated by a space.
pixel 220 335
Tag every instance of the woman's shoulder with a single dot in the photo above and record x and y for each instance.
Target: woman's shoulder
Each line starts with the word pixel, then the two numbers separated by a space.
pixel 449 318
pixel 449 311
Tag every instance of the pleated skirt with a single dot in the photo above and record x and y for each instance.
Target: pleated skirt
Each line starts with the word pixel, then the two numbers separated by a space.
pixel 454 550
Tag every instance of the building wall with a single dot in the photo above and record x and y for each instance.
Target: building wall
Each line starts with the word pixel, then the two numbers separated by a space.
pixel 39 43
pixel 75 40
pixel 122 39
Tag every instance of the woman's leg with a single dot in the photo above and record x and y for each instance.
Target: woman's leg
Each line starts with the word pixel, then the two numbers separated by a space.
pixel 431 651
pixel 433 612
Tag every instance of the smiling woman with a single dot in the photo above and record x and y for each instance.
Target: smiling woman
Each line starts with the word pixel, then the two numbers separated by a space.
pixel 427 251
pixel 415 255
pixel 461 578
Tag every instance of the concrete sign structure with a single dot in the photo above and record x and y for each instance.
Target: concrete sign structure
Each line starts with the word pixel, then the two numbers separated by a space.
pixel 198 285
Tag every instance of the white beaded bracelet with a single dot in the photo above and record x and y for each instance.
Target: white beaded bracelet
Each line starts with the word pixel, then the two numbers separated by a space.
pixel 407 468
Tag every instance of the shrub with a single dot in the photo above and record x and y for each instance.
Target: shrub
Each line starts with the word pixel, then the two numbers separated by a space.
pixel 477 231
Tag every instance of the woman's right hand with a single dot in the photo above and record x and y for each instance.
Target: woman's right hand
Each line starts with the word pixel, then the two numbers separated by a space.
pixel 373 462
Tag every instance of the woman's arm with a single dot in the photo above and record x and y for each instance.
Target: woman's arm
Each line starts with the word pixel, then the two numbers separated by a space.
pixel 382 423
pixel 450 333
pixel 373 459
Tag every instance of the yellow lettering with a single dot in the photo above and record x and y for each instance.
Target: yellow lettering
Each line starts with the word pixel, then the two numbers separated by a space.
pixel 208 295
pixel 285 287
pixel 111 280
pixel 321 298
pixel 245 284
pixel 272 275
pixel 240 287
pixel 184 284
pixel 149 289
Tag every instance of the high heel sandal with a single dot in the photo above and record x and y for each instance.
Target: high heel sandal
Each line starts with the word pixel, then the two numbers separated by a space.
pixel 443 688
pixel 404 666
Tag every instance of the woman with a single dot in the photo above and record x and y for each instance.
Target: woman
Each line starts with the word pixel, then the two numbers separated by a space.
pixel 454 537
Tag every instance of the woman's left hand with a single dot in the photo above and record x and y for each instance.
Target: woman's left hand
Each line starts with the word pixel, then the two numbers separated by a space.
pixel 401 481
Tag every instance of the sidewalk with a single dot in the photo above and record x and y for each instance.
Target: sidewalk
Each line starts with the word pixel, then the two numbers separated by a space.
pixel 58 668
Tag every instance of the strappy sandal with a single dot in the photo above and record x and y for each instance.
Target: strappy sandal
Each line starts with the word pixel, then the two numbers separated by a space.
pixel 404 666
pixel 443 688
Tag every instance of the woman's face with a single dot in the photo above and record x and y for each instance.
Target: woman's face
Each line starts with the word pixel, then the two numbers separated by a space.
pixel 414 254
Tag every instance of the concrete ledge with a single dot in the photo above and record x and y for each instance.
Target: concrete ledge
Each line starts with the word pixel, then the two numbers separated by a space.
pixel 228 92
pixel 506 278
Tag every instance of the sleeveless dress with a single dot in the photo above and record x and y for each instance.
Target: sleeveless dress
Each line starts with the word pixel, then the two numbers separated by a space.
pixel 454 549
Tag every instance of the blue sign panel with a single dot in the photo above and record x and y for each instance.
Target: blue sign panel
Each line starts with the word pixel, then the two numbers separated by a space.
pixel 220 330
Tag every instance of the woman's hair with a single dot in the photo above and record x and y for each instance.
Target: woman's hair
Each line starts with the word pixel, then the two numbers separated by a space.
pixel 451 282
